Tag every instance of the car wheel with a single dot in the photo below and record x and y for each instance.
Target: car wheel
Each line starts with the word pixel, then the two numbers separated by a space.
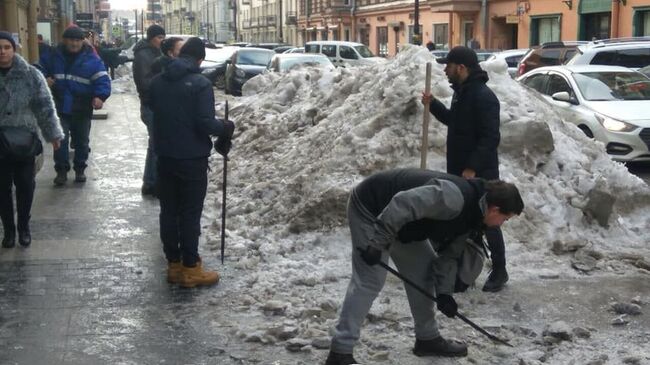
pixel 586 130
pixel 220 82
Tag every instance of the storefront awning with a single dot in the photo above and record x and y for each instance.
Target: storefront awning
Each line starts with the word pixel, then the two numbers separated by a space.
pixel 595 6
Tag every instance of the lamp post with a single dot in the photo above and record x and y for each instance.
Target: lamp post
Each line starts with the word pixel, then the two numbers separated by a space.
pixel 417 38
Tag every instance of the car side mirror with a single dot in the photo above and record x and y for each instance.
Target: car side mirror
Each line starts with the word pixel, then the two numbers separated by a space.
pixel 565 97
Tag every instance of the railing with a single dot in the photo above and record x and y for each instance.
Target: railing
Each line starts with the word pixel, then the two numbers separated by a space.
pixel 262 21
pixel 271 20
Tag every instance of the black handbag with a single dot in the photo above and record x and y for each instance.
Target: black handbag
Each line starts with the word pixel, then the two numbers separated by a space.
pixel 18 143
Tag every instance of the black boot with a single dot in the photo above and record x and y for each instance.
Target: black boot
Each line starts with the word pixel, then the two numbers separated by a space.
pixel 61 178
pixel 496 281
pixel 9 239
pixel 24 235
pixel 79 176
pixel 439 347
pixel 339 359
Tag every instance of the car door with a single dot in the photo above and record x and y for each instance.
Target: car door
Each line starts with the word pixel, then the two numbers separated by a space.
pixel 348 55
pixel 536 81
pixel 329 50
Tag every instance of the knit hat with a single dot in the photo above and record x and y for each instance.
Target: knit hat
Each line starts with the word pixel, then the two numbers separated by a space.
pixel 154 30
pixel 9 37
pixel 194 47
pixel 74 33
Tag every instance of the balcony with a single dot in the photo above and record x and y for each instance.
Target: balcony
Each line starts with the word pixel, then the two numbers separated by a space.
pixel 262 21
pixel 454 6
pixel 271 20
pixel 245 2
pixel 246 23
pixel 292 18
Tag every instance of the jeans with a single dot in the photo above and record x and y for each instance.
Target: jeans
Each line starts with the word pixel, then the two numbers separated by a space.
pixel 150 174
pixel 77 129
pixel 21 175
pixel 414 261
pixel 182 187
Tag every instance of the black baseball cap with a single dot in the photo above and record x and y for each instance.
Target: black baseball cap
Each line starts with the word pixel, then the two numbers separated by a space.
pixel 460 55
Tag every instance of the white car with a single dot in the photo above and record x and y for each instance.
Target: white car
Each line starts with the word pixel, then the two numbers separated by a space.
pixel 511 57
pixel 608 103
pixel 344 54
pixel 290 61
pixel 633 53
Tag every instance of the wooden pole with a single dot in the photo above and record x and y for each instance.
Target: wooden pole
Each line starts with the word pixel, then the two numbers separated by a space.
pixel 426 116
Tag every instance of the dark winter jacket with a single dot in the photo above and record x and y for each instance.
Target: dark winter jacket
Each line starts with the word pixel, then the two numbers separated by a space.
pixel 473 127
pixel 411 205
pixel 26 101
pixel 160 64
pixel 182 101
pixel 144 56
pixel 78 79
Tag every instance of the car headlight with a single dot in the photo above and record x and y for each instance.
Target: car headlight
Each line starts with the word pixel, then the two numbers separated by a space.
pixel 614 125
pixel 240 73
pixel 207 71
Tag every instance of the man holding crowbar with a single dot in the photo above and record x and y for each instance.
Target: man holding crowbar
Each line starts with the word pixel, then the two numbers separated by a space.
pixel 430 224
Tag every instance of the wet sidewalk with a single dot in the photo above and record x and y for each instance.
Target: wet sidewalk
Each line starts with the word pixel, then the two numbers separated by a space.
pixel 91 288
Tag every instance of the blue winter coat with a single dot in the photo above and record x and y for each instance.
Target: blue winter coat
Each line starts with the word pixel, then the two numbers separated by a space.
pixel 77 82
pixel 182 101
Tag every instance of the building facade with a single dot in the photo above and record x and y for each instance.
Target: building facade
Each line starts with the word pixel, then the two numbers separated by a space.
pixel 212 19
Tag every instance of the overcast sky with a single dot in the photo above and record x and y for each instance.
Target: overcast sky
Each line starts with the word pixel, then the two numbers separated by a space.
pixel 128 4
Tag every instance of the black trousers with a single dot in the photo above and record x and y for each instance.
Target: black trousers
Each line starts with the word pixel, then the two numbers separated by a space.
pixel 21 175
pixel 182 187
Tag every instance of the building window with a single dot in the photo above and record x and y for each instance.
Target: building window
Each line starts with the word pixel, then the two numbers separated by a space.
pixel 441 36
pixel 323 35
pixel 545 29
pixel 597 26
pixel 411 33
pixel 642 22
pixel 382 41
pixel 346 33
pixel 308 7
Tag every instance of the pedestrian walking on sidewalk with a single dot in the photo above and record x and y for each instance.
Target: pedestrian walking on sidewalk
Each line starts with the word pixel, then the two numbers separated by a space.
pixel 79 84
pixel 182 101
pixel 145 52
pixel 473 138
pixel 422 220
pixel 26 105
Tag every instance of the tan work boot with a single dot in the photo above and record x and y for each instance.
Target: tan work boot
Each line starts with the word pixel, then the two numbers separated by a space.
pixel 174 272
pixel 193 276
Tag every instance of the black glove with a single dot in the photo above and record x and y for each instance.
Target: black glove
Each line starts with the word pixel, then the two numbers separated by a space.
pixel 447 305
pixel 370 255
pixel 223 143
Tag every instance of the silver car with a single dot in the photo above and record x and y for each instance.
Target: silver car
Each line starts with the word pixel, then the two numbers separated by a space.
pixel 290 61
pixel 608 103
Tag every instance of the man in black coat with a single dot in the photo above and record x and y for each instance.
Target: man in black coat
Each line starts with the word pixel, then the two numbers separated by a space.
pixel 473 138
pixel 182 101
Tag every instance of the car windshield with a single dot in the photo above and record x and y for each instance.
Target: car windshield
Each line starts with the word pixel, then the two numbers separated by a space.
pixel 258 58
pixel 607 86
pixel 364 51
pixel 290 63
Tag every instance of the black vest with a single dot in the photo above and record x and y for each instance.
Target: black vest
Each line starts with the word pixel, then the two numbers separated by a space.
pixel 376 192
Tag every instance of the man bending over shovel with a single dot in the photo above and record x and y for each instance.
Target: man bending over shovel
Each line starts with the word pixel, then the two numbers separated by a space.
pixel 431 225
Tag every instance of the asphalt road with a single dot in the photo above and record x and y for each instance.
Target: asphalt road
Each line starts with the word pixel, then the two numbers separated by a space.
pixel 641 170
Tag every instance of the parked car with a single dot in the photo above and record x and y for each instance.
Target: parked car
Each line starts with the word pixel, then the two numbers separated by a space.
pixel 629 52
pixel 287 62
pixel 608 103
pixel 645 71
pixel 511 57
pixel 484 54
pixel 548 54
pixel 282 49
pixel 243 65
pixel 271 46
pixel 295 50
pixel 343 53
pixel 440 53
pixel 214 65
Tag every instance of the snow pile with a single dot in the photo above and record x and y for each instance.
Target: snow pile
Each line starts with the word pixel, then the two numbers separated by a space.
pixel 123 83
pixel 306 138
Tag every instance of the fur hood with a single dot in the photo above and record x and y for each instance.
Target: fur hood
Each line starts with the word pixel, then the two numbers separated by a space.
pixel 26 101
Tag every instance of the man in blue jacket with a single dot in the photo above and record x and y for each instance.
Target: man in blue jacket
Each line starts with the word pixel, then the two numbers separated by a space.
pixel 473 138
pixel 182 101
pixel 79 83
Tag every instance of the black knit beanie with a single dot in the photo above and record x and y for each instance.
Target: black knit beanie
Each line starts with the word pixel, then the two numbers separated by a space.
pixel 74 33
pixel 194 48
pixel 154 30
pixel 9 37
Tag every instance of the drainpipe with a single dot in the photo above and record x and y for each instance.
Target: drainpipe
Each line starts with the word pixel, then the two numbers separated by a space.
pixel 353 25
pixel 615 15
pixel 32 40
pixel 484 20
